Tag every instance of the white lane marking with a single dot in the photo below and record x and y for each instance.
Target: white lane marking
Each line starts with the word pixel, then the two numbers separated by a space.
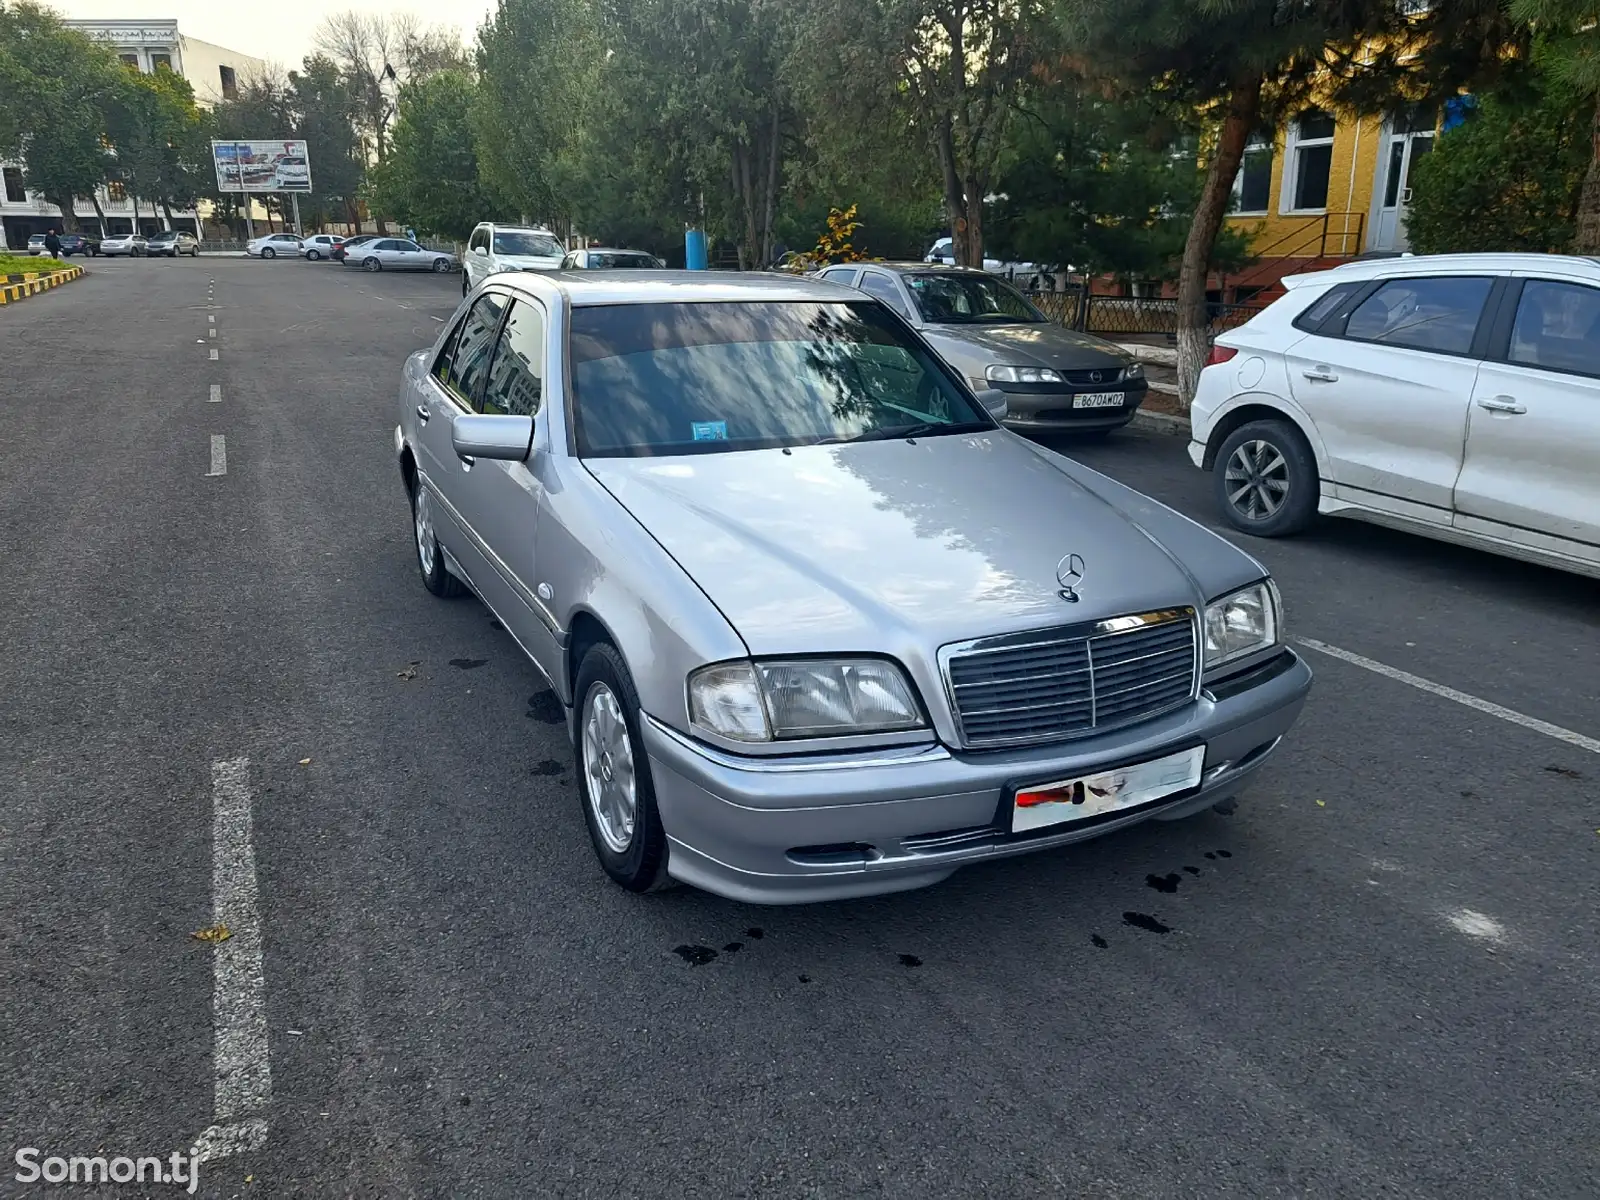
pixel 212 332
pixel 1475 924
pixel 219 455
pixel 211 317
pixel 213 355
pixel 1581 741
pixel 242 1070
pixel 431 317
pixel 216 393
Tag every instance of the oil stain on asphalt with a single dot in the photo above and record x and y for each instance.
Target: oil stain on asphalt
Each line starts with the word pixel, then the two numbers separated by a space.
pixel 545 708
pixel 1145 922
pixel 468 664
pixel 548 766
pixel 695 956
pixel 1164 883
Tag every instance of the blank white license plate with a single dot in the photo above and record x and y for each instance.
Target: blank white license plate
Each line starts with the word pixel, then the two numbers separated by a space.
pixel 1064 800
pixel 1098 400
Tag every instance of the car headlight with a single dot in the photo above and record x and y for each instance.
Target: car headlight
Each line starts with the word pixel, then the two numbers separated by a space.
pixel 1000 374
pixel 802 698
pixel 1242 623
pixel 1133 371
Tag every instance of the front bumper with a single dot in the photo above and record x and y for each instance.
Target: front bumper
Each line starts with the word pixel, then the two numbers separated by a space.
pixel 1053 410
pixel 797 830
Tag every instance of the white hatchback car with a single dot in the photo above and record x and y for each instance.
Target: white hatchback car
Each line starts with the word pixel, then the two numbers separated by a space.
pixel 320 245
pixel 1455 396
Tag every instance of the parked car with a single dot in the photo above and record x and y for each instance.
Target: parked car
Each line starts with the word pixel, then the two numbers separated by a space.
pixel 133 245
pixel 1055 379
pixel 342 250
pixel 87 244
pixel 493 248
pixel 807 647
pixel 1022 274
pixel 398 254
pixel 272 245
pixel 36 244
pixel 321 245
pixel 1455 396
pixel 171 243
pixel 602 258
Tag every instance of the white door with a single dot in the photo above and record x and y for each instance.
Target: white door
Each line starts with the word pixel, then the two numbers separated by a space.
pixel 1403 150
pixel 1532 469
pixel 1389 393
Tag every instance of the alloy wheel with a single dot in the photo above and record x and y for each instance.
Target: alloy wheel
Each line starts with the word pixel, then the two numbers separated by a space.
pixel 1257 480
pixel 611 782
pixel 427 548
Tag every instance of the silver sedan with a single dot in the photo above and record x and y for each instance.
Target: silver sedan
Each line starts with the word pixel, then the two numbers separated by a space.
pixel 821 627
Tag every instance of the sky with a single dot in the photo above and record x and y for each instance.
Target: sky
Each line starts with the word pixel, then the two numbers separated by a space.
pixel 285 36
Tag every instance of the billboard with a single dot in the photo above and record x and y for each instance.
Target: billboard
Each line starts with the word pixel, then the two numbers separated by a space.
pixel 261 166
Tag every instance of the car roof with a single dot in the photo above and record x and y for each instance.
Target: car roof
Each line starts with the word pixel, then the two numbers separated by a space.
pixel 584 288
pixel 614 250
pixel 1411 264
pixel 515 228
pixel 922 268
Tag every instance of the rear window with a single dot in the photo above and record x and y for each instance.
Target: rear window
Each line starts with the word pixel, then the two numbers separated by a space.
pixel 659 379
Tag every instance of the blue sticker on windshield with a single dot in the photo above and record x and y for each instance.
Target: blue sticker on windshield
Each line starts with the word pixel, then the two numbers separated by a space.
pixel 710 431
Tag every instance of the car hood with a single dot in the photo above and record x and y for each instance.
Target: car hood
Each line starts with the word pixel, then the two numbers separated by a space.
pixel 899 548
pixel 528 262
pixel 1025 345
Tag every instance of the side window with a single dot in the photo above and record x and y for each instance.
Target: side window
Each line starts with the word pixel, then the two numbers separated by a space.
pixel 516 377
pixel 844 275
pixel 1557 328
pixel 1326 307
pixel 1438 314
pixel 883 288
pixel 479 238
pixel 460 369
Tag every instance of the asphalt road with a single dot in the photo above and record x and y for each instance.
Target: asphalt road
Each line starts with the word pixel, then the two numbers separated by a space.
pixel 1378 977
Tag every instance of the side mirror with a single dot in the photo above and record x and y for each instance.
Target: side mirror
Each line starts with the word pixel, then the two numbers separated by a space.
pixel 477 436
pixel 995 403
pixel 483 250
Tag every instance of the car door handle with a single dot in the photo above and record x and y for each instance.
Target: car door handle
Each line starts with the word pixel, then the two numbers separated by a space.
pixel 1505 404
pixel 467 460
pixel 423 413
pixel 1322 375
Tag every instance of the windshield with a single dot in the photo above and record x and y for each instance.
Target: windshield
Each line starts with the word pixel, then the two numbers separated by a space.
pixel 963 299
pixel 615 260
pixel 531 245
pixel 163 237
pixel 651 379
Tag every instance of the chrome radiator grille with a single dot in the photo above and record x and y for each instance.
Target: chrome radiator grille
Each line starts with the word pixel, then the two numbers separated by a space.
pixel 1065 683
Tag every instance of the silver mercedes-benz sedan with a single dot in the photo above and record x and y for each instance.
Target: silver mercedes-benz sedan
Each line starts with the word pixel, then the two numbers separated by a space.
pixel 821 626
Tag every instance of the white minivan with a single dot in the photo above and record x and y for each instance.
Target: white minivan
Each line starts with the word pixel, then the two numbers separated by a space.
pixel 1455 396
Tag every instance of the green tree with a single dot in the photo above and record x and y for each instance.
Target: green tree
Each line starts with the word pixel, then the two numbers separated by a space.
pixel 1509 178
pixel 1570 30
pixel 324 114
pixel 430 178
pixel 159 138
pixel 56 88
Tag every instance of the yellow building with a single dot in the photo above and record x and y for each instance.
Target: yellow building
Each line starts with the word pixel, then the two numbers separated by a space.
pixel 1323 189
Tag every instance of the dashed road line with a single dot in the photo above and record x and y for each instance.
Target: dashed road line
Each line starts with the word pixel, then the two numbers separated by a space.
pixel 1581 741
pixel 241 1064
pixel 212 332
pixel 211 317
pixel 216 394
pixel 219 455
pixel 213 354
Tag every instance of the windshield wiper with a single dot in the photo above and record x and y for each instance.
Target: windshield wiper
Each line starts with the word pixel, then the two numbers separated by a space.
pixel 889 433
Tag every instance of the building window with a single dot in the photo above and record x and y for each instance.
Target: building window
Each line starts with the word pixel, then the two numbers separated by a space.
pixel 158 61
pixel 1252 188
pixel 1310 160
pixel 15 192
pixel 130 60
pixel 230 83
pixel 116 191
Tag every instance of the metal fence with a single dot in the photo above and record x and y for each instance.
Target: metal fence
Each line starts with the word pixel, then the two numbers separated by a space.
pixel 1132 315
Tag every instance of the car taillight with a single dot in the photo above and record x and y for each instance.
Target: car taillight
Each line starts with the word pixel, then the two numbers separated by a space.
pixel 1219 355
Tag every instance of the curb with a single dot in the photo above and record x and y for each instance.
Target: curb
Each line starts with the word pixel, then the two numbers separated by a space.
pixel 17 287
pixel 1161 423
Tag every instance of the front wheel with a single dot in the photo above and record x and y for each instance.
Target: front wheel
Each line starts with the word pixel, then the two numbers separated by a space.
pixel 614 783
pixel 441 265
pixel 436 576
pixel 312 255
pixel 1266 480
pixel 269 252
pixel 372 264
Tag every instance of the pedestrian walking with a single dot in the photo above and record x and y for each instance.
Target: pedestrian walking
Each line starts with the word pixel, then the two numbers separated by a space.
pixel 52 243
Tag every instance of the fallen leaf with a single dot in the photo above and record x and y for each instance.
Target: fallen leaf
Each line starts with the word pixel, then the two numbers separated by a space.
pixel 217 933
pixel 1322 804
pixel 410 672
pixel 1565 772
pixel 305 762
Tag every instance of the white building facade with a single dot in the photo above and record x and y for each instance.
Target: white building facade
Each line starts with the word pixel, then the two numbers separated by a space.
pixel 215 74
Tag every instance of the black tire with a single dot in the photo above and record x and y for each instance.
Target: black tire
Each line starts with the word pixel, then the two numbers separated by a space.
pixel 1274 464
pixel 371 264
pixel 466 284
pixel 268 252
pixel 441 265
pixel 642 866
pixel 436 576
pixel 312 255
